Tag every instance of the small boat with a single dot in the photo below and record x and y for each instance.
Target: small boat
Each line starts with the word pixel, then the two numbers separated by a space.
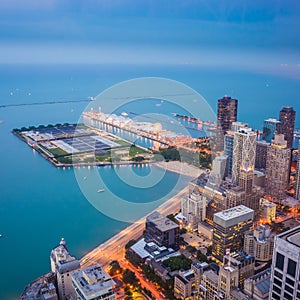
pixel 100 190
pixel 0 235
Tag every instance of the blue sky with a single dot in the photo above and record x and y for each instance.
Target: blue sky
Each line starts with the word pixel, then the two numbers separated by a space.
pixel 248 34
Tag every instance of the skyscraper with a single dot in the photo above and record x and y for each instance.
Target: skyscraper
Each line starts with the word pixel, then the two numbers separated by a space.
pixel 270 127
pixel 244 147
pixel 193 207
pixel 285 271
pixel 261 154
pixel 229 228
pixel 227 113
pixel 228 143
pixel 277 168
pixel 287 123
pixel 297 185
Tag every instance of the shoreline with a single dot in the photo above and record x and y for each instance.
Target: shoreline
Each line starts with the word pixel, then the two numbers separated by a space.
pixel 114 247
pixel 179 167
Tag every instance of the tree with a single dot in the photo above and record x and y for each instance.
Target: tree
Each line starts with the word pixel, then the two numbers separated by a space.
pixel 129 244
pixel 130 278
pixel 178 263
pixel 191 249
pixel 114 268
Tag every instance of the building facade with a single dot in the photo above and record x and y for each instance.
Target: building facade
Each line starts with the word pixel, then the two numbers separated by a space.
pixel 162 231
pixel 244 148
pixel 277 168
pixel 269 128
pixel 229 227
pixel 285 270
pixel 297 183
pixel 287 124
pixel 257 287
pixel 243 263
pixel 63 265
pixel 261 154
pixel 227 113
pixel 193 208
pixel 259 243
pixel 93 283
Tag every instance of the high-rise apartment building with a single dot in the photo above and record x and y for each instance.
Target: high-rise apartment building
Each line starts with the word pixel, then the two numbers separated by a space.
pixel 270 127
pixel 228 143
pixel 244 147
pixel 261 154
pixel 63 265
pixel 193 207
pixel 227 113
pixel 259 242
pixel 229 228
pixel 285 271
pixel 93 283
pixel 277 168
pixel 287 124
pixel 228 150
pixel 297 184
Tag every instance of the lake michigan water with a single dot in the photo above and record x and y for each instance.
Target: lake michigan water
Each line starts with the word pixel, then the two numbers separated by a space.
pixel 39 203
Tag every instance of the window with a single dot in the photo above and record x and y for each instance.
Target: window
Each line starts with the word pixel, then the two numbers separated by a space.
pixel 279 261
pixel 277 274
pixel 275 296
pixel 278 282
pixel 289 289
pixel 290 281
pixel 288 297
pixel 291 270
pixel 276 289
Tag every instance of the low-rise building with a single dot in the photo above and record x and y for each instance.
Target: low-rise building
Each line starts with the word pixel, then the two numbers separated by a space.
pixel 267 210
pixel 41 289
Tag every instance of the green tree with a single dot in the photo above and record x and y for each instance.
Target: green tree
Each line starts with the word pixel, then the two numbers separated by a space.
pixel 129 244
pixel 178 263
pixel 114 268
pixel 130 278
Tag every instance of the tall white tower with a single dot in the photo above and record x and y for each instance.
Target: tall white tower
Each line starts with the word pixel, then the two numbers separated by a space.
pixel 244 148
pixel 63 265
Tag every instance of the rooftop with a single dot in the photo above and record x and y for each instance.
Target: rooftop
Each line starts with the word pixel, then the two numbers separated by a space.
pixel 292 236
pixel 234 212
pixel 93 280
pixel 64 262
pixel 162 223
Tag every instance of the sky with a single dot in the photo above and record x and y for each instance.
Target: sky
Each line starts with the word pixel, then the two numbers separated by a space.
pixel 246 34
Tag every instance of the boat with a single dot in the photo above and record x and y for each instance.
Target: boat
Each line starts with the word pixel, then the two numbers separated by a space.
pixel 0 235
pixel 100 190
